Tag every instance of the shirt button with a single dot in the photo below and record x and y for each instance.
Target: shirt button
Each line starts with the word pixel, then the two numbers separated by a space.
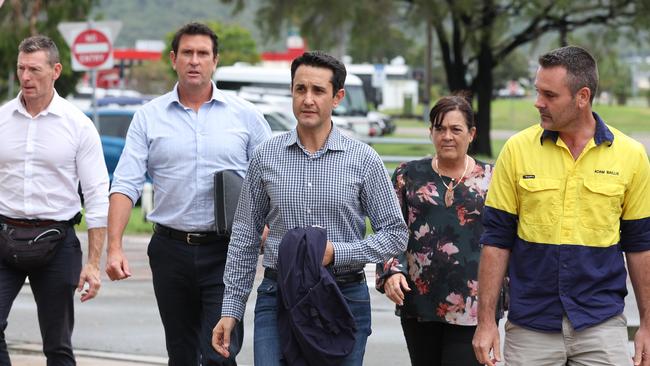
pixel 308 210
pixel 308 184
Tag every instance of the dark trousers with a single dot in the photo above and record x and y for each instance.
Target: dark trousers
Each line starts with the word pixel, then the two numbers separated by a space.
pixel 188 283
pixel 53 287
pixel 436 343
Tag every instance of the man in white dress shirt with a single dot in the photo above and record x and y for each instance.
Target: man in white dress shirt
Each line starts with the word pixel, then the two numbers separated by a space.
pixel 48 148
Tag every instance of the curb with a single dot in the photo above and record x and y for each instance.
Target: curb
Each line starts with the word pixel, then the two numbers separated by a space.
pixel 37 349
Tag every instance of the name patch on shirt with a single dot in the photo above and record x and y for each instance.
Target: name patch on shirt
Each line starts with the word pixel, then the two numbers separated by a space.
pixel 608 172
pixel 528 176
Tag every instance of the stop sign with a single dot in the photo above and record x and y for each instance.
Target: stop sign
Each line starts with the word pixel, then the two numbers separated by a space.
pixel 91 48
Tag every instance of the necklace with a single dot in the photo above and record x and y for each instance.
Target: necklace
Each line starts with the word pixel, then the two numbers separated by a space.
pixel 449 194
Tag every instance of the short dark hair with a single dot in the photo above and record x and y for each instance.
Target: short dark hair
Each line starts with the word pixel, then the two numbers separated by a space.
pixel 322 59
pixel 41 43
pixel 580 66
pixel 451 103
pixel 196 29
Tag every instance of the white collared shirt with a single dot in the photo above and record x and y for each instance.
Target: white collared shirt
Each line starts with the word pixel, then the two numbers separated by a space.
pixel 44 158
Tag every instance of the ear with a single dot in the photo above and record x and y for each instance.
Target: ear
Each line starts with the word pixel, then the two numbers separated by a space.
pixel 57 70
pixel 583 96
pixel 172 58
pixel 338 97
pixel 472 134
pixel 216 60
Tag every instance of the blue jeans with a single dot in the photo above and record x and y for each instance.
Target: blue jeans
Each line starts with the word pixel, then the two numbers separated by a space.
pixel 266 349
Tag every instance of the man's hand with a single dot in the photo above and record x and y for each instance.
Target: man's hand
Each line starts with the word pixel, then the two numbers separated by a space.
pixel 117 266
pixel 89 274
pixel 221 335
pixel 393 288
pixel 486 339
pixel 328 257
pixel 642 347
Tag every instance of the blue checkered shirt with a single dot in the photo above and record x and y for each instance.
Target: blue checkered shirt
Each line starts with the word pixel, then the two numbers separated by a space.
pixel 335 188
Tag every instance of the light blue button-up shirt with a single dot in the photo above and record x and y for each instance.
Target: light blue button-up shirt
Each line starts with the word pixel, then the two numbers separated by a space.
pixel 181 150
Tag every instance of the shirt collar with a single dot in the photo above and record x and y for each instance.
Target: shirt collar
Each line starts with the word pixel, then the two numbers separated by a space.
pixel 335 140
pixel 601 135
pixel 217 95
pixel 54 107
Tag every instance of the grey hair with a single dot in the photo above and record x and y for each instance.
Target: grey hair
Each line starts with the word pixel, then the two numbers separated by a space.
pixel 41 43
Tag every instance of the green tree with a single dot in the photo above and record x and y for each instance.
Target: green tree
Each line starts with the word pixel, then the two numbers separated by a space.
pixel 514 67
pixel 615 76
pixel 151 77
pixel 381 46
pixel 473 36
pixel 476 36
pixel 236 44
pixel 23 18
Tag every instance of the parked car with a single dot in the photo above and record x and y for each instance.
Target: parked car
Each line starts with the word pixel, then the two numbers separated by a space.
pixel 276 117
pixel 353 108
pixel 276 104
pixel 113 125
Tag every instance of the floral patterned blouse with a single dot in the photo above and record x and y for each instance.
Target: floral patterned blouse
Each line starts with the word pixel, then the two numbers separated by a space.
pixel 441 261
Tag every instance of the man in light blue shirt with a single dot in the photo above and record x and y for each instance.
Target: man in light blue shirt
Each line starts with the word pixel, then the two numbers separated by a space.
pixel 181 139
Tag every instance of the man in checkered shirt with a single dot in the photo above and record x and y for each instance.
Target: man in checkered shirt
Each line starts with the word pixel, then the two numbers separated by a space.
pixel 310 176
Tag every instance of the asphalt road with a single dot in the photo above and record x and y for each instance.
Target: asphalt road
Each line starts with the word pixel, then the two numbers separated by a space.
pixel 124 318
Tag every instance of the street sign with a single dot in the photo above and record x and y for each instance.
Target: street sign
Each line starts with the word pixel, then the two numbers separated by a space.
pixel 91 48
pixel 91 43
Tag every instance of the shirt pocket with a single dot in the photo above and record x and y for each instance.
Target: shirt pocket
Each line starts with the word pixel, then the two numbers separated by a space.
pixel 601 204
pixel 540 201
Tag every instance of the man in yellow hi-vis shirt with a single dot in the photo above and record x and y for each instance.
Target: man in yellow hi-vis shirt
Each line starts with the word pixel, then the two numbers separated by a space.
pixel 568 196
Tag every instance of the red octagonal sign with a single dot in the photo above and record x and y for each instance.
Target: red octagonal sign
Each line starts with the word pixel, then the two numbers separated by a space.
pixel 91 48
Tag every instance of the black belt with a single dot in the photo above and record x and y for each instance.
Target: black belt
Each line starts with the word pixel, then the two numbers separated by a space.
pixel 39 223
pixel 341 278
pixel 197 238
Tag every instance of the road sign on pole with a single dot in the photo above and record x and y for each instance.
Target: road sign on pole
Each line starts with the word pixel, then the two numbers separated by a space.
pixel 91 43
pixel 92 48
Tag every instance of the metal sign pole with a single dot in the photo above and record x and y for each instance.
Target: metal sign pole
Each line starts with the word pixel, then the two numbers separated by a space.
pixel 93 80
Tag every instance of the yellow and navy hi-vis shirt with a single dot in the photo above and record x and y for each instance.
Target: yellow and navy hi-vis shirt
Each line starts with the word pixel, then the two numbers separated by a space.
pixel 566 223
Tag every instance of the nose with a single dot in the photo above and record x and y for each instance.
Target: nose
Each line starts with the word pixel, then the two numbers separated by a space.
pixel 309 98
pixel 194 59
pixel 23 75
pixel 539 103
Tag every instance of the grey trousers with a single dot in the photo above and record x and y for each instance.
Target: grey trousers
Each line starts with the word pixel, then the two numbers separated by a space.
pixel 602 344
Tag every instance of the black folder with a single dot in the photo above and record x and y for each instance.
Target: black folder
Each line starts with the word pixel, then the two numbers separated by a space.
pixel 227 187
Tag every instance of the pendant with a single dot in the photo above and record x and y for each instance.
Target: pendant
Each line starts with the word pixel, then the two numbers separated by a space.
pixel 449 197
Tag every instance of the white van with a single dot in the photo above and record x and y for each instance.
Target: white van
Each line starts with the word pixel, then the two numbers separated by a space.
pixel 275 81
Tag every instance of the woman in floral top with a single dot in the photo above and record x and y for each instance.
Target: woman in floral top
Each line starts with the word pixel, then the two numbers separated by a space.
pixel 434 283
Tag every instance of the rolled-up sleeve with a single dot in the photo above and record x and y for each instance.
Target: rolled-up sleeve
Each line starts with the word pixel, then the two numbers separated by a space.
pixel 379 201
pixel 129 175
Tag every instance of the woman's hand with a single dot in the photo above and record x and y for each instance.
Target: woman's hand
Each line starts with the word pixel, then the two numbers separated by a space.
pixel 394 288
